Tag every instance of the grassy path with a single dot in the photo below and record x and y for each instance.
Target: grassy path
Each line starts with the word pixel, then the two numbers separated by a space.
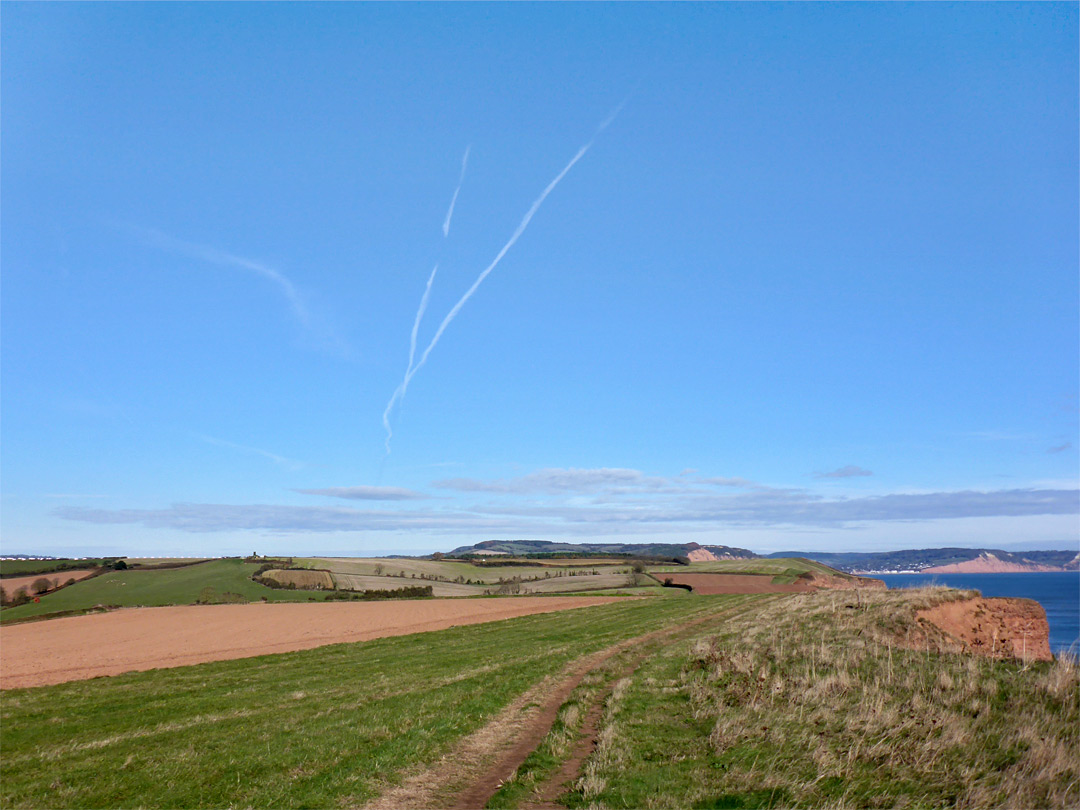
pixel 509 746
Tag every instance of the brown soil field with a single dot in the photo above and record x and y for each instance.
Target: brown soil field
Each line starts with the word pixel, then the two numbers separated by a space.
pixel 998 628
pixel 302 578
pixel 733 583
pixel 58 578
pixel 136 639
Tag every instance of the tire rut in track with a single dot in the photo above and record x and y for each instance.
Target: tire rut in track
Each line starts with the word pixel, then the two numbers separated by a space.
pixel 546 793
pixel 515 733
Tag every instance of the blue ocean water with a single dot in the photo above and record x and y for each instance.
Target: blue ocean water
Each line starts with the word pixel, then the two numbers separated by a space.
pixel 1057 591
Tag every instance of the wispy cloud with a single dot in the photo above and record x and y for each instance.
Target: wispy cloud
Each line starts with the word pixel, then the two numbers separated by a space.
pixel 367 493
pixel 850 471
pixel 288 463
pixel 212 255
pixel 453 200
pixel 1060 448
pixel 400 391
pixel 555 481
pixel 775 508
pixel 741 483
pixel 211 517
pixel 999 436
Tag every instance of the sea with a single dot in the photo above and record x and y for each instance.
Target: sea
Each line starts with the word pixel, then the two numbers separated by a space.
pixel 1057 591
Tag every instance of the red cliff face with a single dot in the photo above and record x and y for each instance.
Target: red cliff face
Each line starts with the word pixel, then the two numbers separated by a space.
pixel 987 563
pixel 998 628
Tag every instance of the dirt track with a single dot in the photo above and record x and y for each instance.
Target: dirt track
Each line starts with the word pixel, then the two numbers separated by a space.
pixel 71 649
pixel 470 775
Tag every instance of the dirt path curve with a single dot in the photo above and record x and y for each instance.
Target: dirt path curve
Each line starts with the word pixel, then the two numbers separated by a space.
pixel 467 777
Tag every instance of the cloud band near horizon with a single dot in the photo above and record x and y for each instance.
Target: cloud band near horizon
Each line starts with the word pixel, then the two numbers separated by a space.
pixel 775 508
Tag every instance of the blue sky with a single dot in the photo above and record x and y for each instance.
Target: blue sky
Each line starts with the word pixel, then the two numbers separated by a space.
pixel 814 286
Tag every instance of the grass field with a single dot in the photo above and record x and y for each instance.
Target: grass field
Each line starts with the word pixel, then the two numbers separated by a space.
pixel 807 702
pixel 450 570
pixel 785 568
pixel 167 586
pixel 360 582
pixel 322 728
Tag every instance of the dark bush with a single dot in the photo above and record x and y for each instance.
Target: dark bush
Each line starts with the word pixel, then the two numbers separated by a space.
pixel 669 584
pixel 411 592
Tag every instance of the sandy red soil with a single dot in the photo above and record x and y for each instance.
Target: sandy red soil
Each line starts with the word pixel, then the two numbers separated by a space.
pixel 79 647
pixel 56 579
pixel 733 583
pixel 999 628
pixel 700 555
pixel 988 564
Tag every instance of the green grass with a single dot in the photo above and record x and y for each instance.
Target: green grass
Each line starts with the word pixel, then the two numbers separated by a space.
pixel 447 569
pixel 167 586
pixel 810 703
pixel 788 568
pixel 321 728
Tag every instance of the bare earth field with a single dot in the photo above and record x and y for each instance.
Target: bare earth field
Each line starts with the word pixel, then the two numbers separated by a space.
pixel 57 578
pixel 80 647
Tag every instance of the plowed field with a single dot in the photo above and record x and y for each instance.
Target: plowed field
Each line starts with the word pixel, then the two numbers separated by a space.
pixel 56 579
pixel 79 647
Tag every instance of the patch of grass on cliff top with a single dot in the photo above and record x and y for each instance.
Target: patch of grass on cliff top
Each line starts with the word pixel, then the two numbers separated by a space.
pixel 151 588
pixel 788 568
pixel 330 727
pixel 811 702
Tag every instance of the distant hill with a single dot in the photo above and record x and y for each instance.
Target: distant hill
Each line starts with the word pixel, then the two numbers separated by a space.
pixel 523 548
pixel 931 560
pixel 943 560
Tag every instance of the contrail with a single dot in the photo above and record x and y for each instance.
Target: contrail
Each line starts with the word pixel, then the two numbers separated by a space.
pixel 419 315
pixel 453 200
pixel 399 392
pixel 517 233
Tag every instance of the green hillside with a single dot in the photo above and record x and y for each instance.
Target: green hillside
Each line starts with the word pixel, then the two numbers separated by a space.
pixel 166 586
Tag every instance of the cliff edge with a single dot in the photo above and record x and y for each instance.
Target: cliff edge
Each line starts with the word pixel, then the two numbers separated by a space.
pixel 998 628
